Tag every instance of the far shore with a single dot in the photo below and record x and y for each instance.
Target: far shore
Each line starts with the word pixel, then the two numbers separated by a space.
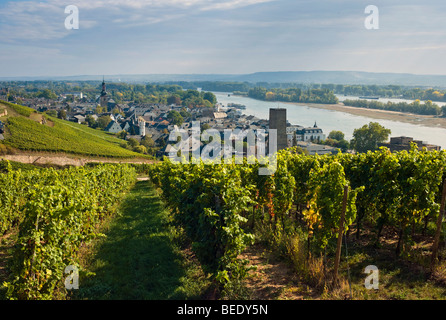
pixel 428 121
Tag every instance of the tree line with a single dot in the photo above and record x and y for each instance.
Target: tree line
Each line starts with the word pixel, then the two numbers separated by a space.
pixel 150 93
pixel 426 108
pixel 293 95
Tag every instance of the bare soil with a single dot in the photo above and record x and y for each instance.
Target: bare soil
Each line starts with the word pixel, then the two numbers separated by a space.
pixel 272 278
pixel 65 160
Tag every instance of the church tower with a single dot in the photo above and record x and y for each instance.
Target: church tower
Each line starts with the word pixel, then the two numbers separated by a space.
pixel 104 97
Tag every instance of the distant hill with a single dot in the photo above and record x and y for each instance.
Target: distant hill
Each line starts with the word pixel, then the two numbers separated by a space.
pixel 347 77
pixel 334 77
pixel 25 132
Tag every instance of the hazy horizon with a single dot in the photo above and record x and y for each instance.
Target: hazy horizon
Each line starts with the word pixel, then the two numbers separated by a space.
pixel 219 37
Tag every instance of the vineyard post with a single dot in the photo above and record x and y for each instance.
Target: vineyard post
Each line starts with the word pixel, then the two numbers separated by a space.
pixel 341 229
pixel 438 231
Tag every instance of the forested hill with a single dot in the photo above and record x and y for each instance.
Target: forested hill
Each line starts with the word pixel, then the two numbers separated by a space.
pixel 335 77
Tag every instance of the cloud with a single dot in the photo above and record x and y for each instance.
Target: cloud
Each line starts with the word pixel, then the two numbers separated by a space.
pixel 178 4
pixel 174 36
pixel 233 4
pixel 37 21
pixel 32 21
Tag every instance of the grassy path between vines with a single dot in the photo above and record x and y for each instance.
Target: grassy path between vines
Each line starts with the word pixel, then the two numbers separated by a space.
pixel 140 257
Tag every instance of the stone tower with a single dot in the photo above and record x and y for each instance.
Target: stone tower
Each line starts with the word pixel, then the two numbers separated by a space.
pixel 142 126
pixel 277 120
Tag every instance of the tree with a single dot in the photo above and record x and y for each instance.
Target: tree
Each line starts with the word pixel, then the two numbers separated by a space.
pixel 91 121
pixel 443 111
pixel 336 135
pixel 343 145
pixel 133 142
pixel 205 126
pixel 140 149
pixel 294 139
pixel 368 136
pixel 174 99
pixel 209 96
pixel 62 114
pixel 175 117
pixel 336 139
pixel 184 113
pixel 147 142
pixel 51 113
pixel 116 110
pixel 122 134
pixel 47 94
pixel 98 109
pixel 103 121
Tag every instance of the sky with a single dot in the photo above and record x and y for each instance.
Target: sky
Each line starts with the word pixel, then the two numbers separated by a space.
pixel 220 37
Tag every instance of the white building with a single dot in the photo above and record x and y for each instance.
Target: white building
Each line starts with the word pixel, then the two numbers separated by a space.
pixel 304 134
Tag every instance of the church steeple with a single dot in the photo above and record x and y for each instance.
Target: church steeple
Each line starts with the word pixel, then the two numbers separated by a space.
pixel 104 91
pixel 104 97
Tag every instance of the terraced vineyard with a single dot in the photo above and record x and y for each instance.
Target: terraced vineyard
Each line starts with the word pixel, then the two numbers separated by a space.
pixel 25 132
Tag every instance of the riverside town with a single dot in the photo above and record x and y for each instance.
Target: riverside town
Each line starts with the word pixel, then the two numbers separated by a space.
pixel 222 158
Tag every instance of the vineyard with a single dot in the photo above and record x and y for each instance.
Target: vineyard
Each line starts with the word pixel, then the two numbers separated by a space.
pixel 305 207
pixel 29 135
pixel 24 131
pixel 55 211
pixel 305 212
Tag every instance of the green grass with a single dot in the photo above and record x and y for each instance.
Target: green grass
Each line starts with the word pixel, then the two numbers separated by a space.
pixel 26 134
pixel 140 258
pixel 399 278
pixel 22 110
pixel 95 132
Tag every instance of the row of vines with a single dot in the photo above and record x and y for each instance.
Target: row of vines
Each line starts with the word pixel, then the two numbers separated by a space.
pixel 55 211
pixel 220 205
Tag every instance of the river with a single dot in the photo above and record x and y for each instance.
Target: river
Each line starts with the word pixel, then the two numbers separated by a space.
pixel 329 120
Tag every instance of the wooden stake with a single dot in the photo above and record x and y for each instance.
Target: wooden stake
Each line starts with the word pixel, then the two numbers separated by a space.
pixel 341 229
pixel 438 231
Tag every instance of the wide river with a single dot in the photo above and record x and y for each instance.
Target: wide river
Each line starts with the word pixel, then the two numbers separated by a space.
pixel 329 120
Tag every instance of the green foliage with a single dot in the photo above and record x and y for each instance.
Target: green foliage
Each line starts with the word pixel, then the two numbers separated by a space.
pixel 293 95
pixel 336 135
pixel 62 114
pixel 22 110
pixel 368 136
pixel 175 117
pixel 428 108
pixel 336 139
pixel 103 122
pixel 326 193
pixel 304 196
pixel 209 96
pixel 208 201
pixel 27 134
pixel 56 211
pixel 47 94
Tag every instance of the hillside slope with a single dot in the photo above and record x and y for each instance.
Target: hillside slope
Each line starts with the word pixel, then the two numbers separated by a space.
pixel 25 131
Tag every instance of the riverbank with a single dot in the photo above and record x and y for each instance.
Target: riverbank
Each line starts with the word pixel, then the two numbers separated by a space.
pixel 416 119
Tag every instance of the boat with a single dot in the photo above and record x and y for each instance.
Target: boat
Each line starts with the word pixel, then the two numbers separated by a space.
pixel 368 97
pixel 236 106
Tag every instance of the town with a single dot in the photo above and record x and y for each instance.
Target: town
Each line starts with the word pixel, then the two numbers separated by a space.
pixel 147 127
pixel 150 124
